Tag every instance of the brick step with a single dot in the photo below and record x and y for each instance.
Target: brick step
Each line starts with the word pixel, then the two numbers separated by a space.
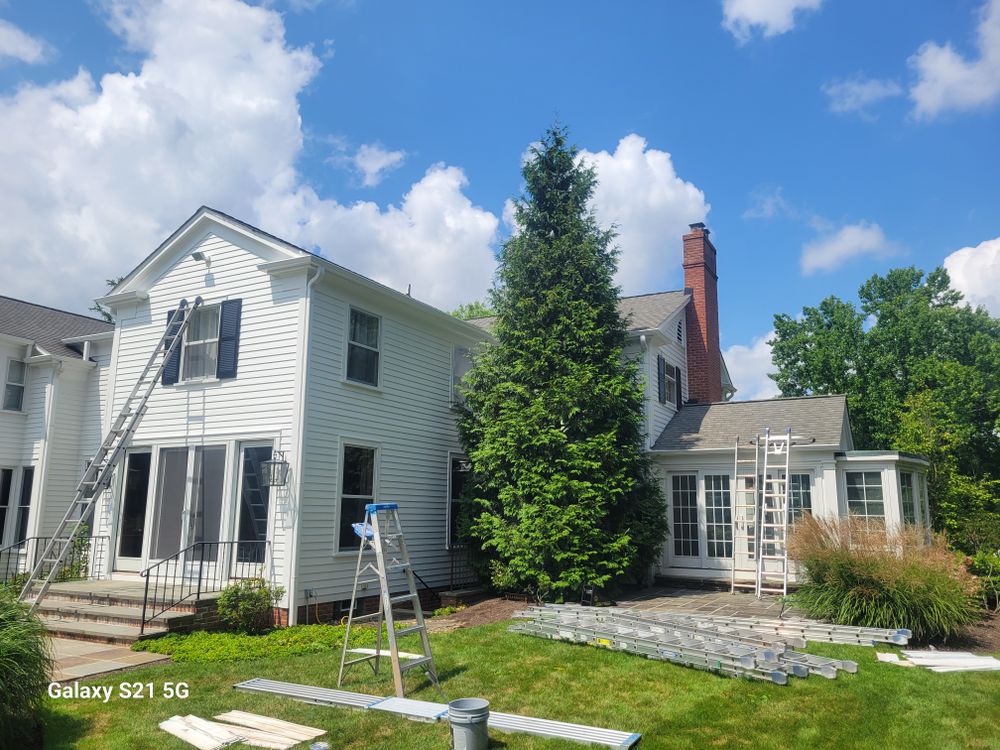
pixel 73 611
pixel 98 632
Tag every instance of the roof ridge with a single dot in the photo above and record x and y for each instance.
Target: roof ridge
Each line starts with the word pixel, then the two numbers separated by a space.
pixel 652 294
pixel 774 398
pixel 58 310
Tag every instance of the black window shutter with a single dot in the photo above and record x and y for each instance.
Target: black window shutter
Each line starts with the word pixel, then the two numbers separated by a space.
pixel 661 378
pixel 229 338
pixel 172 368
pixel 677 375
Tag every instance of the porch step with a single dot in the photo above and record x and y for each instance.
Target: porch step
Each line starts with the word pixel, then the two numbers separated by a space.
pixel 98 632
pixel 71 611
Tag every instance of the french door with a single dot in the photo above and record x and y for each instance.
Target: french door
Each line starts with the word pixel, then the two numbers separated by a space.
pixel 135 500
pixel 701 531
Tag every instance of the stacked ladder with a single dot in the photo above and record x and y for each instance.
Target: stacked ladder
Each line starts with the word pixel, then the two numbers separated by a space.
pixel 100 472
pixel 774 505
pixel 382 532
pixel 746 505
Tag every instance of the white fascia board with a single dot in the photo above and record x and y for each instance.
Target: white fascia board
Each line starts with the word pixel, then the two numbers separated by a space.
pixel 113 300
pixel 288 266
pixel 104 336
pixel 16 340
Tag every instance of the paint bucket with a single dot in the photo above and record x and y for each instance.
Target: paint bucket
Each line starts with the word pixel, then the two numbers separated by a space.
pixel 467 717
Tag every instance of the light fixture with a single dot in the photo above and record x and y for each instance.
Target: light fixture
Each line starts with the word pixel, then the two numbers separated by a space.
pixel 199 255
pixel 274 471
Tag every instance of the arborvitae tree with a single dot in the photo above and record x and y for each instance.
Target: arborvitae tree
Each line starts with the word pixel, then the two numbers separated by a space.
pixel 562 491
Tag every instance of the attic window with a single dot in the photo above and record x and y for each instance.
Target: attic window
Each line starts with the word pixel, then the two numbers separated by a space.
pixel 680 331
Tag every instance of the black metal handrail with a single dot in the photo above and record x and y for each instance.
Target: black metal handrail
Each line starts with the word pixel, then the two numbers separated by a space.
pixel 434 595
pixel 198 569
pixel 85 555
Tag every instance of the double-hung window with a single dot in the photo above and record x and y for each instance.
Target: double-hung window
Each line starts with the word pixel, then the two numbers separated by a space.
pixel 864 494
pixel 200 354
pixel 13 390
pixel 667 381
pixel 363 348
pixel 357 489
pixel 800 496
pixel 908 497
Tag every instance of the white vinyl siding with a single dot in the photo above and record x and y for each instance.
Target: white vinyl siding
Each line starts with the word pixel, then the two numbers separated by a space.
pixel 673 351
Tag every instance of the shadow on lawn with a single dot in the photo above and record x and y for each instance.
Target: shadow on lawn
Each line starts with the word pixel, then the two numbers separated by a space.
pixel 62 731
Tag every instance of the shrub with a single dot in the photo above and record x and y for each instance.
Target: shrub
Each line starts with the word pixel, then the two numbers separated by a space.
pixel 246 605
pixel 977 532
pixel 861 575
pixel 986 567
pixel 294 641
pixel 24 669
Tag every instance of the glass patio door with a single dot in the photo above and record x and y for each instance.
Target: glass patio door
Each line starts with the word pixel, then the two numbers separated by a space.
pixel 253 511
pixel 132 522
pixel 701 531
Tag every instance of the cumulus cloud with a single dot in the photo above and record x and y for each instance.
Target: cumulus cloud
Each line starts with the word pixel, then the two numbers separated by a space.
pixel 975 272
pixel 98 172
pixel 15 44
pixel 950 81
pixel 833 249
pixel 748 368
pixel 640 192
pixel 768 202
pixel 771 17
pixel 374 162
pixel 857 94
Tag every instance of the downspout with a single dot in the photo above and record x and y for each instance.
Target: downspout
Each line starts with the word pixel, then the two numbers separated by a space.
pixel 300 427
pixel 647 401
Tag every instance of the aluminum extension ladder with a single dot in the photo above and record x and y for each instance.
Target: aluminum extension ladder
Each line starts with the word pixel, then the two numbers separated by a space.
pixel 746 506
pixel 100 472
pixel 382 532
pixel 774 506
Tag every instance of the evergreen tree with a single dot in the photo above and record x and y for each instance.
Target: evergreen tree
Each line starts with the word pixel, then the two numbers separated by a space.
pixel 562 494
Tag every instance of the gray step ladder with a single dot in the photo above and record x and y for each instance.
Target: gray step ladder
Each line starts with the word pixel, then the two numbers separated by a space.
pixel 772 557
pixel 746 509
pixel 100 471
pixel 382 533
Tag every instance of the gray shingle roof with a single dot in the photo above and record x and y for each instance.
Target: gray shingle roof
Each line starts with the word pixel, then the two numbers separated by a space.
pixel 46 326
pixel 643 311
pixel 712 426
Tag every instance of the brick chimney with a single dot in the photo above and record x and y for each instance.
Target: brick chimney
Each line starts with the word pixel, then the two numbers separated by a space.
pixel 703 353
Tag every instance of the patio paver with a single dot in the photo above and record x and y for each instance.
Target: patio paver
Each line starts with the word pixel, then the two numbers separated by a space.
pixel 74 660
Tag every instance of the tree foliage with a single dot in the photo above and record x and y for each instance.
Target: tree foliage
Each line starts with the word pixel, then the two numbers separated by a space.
pixel 562 490
pixel 475 309
pixel 918 367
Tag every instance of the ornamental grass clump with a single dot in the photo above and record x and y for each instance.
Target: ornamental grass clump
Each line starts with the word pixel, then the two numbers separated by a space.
pixel 24 670
pixel 858 573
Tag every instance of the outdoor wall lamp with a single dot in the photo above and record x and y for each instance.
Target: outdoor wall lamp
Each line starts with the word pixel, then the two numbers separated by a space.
pixel 274 471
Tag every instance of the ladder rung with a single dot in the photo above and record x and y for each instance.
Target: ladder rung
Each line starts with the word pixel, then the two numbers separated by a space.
pixel 360 659
pixel 772 557
pixel 409 631
pixel 401 598
pixel 415 663
pixel 397 567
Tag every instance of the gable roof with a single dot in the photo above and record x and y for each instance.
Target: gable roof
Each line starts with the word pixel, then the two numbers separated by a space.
pixel 643 311
pixel 46 326
pixel 716 426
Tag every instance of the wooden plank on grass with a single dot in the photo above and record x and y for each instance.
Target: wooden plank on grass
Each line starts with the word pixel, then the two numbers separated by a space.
pixel 258 737
pixel 268 724
pixel 179 727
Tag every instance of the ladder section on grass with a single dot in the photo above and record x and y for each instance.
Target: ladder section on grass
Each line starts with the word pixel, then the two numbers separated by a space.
pixel 99 473
pixel 382 533
pixel 772 559
pixel 746 505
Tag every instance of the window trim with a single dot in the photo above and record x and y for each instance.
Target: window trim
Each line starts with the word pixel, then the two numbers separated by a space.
pixel 808 488
pixel 676 557
pixel 344 443
pixel 348 343
pixel 5 508
pixel 882 486
pixel 7 383
pixel 449 544
pixel 21 507
pixel 217 306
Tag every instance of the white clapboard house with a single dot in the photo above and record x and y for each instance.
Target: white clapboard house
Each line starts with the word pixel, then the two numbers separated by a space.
pixel 300 391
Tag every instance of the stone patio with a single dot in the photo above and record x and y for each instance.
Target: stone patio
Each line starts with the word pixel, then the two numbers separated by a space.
pixel 708 602
pixel 77 660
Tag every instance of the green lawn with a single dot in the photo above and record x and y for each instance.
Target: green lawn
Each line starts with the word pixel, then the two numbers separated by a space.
pixel 882 706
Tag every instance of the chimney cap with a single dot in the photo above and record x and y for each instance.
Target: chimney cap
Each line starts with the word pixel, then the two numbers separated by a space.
pixel 698 225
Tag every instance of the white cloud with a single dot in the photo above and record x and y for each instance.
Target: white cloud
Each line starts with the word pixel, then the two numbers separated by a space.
pixel 771 17
pixel 374 162
pixel 748 368
pixel 858 93
pixel 946 80
pixel 768 202
pixel 639 191
pixel 831 250
pixel 17 45
pixel 975 272
pixel 98 172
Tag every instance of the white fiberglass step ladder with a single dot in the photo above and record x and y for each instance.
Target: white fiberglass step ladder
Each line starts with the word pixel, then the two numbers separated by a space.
pixel 772 560
pixel 746 505
pixel 382 532
pixel 100 472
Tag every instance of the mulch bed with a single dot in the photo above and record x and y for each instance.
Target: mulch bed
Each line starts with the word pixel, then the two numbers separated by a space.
pixel 480 613
pixel 984 637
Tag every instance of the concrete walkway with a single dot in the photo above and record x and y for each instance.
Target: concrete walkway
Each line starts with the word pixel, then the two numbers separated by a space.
pixel 706 602
pixel 77 660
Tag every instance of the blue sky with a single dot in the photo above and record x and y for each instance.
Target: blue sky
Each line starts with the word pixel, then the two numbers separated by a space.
pixel 826 141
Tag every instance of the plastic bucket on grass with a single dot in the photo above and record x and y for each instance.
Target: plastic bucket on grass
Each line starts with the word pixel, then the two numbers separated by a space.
pixel 467 717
